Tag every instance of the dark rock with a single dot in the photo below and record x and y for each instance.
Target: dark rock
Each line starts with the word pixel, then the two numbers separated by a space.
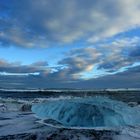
pixel 3 108
pixel 26 107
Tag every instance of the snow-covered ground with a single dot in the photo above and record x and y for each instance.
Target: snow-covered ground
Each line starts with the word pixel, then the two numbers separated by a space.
pixel 23 119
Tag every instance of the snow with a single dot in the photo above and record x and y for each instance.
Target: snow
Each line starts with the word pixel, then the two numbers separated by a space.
pixel 88 112
pixel 12 123
pixel 16 124
pixel 128 133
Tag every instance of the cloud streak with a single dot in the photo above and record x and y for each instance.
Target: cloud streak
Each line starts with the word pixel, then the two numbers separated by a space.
pixel 127 79
pixel 19 69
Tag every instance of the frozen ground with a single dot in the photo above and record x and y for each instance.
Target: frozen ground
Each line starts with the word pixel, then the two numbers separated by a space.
pixel 17 121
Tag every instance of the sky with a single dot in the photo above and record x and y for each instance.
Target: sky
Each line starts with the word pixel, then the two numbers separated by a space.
pixel 70 44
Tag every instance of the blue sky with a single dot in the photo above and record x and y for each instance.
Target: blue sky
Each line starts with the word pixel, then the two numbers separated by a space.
pixel 71 44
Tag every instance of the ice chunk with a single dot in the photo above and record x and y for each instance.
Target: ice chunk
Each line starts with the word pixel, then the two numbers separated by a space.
pixel 26 107
pixel 88 112
pixel 3 108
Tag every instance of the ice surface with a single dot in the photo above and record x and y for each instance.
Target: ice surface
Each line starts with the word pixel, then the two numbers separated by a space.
pixel 16 124
pixel 88 112
pixel 16 104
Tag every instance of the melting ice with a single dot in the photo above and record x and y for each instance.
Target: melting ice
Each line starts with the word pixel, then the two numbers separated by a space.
pixel 88 112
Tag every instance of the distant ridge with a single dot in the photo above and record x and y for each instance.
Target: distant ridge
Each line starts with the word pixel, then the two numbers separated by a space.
pixel 67 89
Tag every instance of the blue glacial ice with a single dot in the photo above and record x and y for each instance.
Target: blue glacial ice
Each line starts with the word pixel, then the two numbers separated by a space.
pixel 88 112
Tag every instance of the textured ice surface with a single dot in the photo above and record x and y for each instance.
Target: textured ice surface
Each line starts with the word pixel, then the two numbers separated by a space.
pixel 88 112
pixel 16 124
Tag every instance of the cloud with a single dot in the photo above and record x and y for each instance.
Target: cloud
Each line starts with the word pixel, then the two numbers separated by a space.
pixel 29 23
pixel 120 53
pixel 43 23
pixel 40 64
pixel 109 57
pixel 135 53
pixel 17 68
pixel 80 60
pixel 127 79
pixel 68 69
